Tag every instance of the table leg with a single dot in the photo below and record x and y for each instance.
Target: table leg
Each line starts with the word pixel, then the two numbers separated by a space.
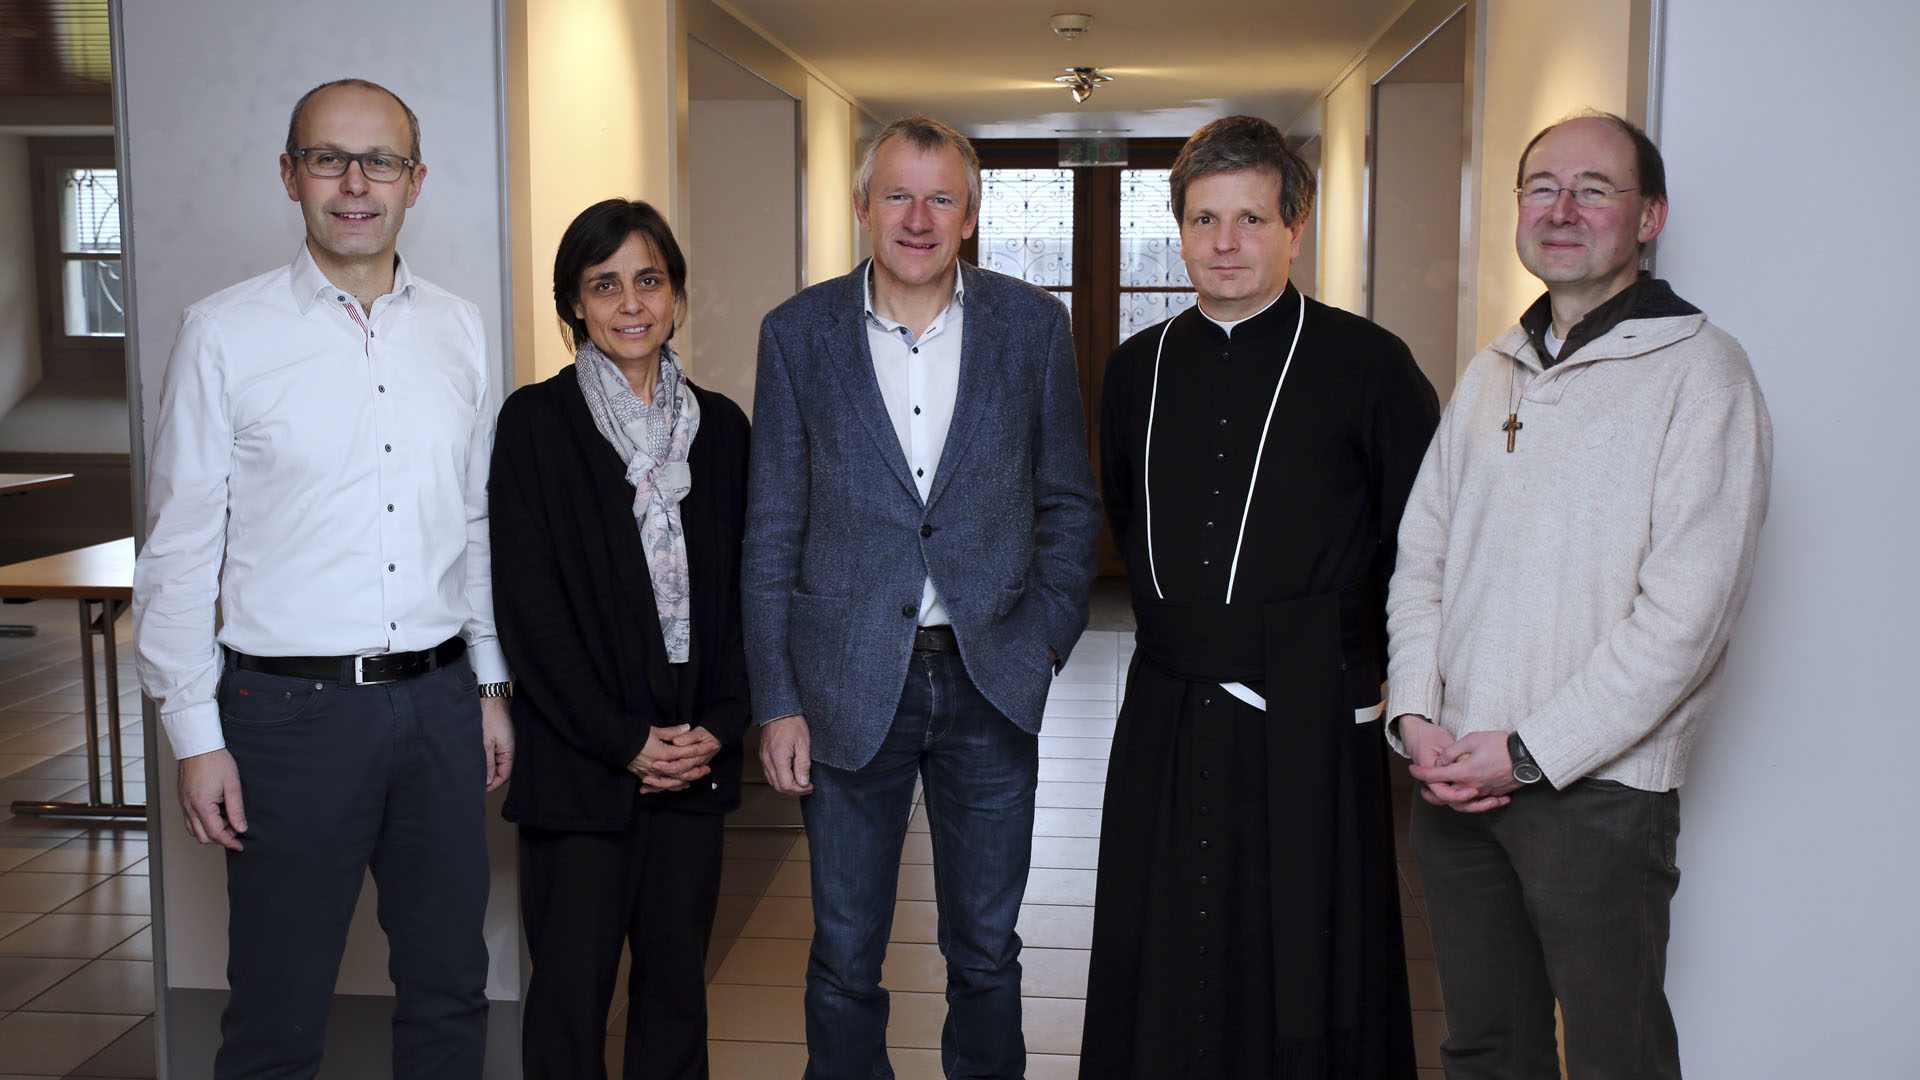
pixel 116 767
pixel 93 703
pixel 95 806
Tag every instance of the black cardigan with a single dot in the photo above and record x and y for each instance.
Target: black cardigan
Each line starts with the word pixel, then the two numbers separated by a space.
pixel 576 615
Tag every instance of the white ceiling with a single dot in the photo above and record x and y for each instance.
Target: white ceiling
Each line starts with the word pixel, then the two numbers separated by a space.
pixel 986 66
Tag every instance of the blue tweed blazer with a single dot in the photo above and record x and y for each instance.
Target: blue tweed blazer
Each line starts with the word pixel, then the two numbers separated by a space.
pixel 839 543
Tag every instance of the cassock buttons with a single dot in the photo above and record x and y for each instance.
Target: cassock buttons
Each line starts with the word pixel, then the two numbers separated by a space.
pixel 1206 701
pixel 1203 916
pixel 1205 810
pixel 1203 984
pixel 1203 879
pixel 1223 421
pixel 1203 845
pixel 1209 524
pixel 1219 457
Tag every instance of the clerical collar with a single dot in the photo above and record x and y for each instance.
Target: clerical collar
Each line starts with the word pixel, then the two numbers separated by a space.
pixel 1230 324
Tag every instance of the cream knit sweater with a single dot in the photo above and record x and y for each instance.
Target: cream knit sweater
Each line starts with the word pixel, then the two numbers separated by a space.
pixel 1582 588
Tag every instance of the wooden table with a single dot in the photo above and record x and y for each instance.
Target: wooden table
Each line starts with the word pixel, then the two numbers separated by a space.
pixel 101 574
pixel 15 483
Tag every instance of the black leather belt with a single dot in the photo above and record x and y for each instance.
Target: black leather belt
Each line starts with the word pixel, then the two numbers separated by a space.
pixel 355 670
pixel 935 639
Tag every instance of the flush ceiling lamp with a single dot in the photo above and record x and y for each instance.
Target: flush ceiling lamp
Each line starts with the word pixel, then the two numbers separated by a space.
pixel 1082 81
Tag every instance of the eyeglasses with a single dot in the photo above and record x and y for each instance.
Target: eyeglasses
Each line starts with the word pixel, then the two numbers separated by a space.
pixel 326 163
pixel 1587 195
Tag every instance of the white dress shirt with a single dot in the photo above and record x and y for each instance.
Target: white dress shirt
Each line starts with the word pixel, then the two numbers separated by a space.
pixel 319 474
pixel 920 381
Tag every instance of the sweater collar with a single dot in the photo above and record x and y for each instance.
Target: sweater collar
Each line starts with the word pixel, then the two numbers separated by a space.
pixel 1648 297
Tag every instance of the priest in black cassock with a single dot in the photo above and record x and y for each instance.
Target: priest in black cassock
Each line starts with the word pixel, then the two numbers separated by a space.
pixel 1257 451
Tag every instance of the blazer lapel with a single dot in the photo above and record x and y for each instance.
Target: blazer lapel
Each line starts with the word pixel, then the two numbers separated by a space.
pixel 980 351
pixel 845 342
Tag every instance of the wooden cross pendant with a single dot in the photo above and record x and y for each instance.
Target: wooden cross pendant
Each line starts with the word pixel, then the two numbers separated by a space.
pixel 1512 428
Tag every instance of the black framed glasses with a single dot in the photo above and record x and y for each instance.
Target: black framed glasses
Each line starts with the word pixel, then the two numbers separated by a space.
pixel 1590 196
pixel 326 163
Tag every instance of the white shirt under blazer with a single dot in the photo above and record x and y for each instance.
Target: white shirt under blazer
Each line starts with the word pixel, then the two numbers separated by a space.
pixel 319 473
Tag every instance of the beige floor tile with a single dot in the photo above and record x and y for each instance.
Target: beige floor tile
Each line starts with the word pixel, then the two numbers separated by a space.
pixel 1060 691
pixel 1051 747
pixel 916 882
pixel 18 851
pixel 44 741
pixel 730 915
pixel 1053 973
pixel 791 879
pixel 759 843
pixel 1062 794
pixel 1066 852
pixel 89 855
pixel 1052 1066
pixel 1077 770
pixel 1423 983
pixel 42 892
pixel 1429 1031
pixel 53 1044
pixel 1080 727
pixel 14 920
pixel 918 850
pixel 1053 1024
pixel 1050 886
pixel 104 986
pixel 23 978
pixel 755 1060
pixel 1103 709
pixel 1047 926
pixel 916 1019
pixel 765 962
pixel 915 1064
pixel 774 916
pixel 137 947
pixel 918 822
pixel 756 1013
pixel 139 868
pixel 1055 822
pixel 1419 942
pixel 131 1055
pixel 126 894
pixel 916 921
pixel 914 967
pixel 85 936
pixel 746 877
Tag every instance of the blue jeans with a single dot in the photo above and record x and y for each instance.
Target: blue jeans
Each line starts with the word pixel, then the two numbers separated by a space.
pixel 979 771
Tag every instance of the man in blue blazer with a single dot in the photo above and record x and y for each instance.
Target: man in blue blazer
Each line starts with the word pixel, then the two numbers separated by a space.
pixel 920 527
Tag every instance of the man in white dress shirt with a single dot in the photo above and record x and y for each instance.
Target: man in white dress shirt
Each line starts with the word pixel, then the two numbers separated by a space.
pixel 318 480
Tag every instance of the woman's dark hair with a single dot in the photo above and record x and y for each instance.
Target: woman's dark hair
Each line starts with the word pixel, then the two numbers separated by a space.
pixel 592 239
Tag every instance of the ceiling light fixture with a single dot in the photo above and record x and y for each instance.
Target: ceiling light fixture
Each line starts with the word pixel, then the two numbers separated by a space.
pixel 1082 81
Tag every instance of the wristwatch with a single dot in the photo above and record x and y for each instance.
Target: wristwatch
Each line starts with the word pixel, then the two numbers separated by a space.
pixel 1525 769
pixel 496 689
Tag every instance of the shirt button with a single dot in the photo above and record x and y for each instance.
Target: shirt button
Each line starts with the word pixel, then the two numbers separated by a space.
pixel 396 626
pixel 389 448
pixel 916 410
pixel 389 568
pixel 926 531
pixel 389 508
pixel 916 350
pixel 342 299
pixel 919 472
pixel 909 610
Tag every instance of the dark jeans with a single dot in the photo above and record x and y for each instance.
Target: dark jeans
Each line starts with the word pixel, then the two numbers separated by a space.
pixel 979 771
pixel 337 780
pixel 1560 895
pixel 653 886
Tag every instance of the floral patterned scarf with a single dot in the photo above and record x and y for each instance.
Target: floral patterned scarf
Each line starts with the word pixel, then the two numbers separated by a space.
pixel 653 439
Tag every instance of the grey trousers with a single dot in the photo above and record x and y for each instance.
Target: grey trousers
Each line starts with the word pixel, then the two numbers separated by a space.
pixel 337 780
pixel 1560 895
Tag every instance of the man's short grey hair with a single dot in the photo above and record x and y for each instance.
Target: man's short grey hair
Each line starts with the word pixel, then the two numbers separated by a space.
pixel 293 122
pixel 1244 142
pixel 926 135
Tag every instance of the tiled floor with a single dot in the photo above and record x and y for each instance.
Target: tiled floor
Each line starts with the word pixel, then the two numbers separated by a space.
pixel 76 980
pixel 76 950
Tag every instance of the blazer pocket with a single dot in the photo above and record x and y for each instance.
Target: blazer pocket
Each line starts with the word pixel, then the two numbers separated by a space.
pixel 1010 597
pixel 817 631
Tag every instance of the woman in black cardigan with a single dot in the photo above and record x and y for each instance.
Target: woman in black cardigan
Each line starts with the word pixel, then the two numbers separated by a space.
pixel 618 496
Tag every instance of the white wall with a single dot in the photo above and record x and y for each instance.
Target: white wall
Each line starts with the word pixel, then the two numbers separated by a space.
pixel 741 252
pixel 1343 195
pixel 1795 951
pixel 1541 61
pixel 829 120
pixel 220 78
pixel 19 315
pixel 1416 242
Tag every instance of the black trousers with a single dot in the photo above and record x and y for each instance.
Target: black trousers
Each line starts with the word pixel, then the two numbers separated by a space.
pixel 338 780
pixel 1560 895
pixel 581 894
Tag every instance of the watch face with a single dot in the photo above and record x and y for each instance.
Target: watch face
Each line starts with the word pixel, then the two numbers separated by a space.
pixel 1526 772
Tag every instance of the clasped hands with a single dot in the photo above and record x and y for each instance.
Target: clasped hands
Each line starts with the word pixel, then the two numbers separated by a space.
pixel 1471 774
pixel 673 758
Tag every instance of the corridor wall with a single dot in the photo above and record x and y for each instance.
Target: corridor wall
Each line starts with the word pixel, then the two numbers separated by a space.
pixel 1795 949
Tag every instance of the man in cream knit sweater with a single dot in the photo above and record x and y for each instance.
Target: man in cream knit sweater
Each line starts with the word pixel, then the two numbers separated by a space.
pixel 1572 559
